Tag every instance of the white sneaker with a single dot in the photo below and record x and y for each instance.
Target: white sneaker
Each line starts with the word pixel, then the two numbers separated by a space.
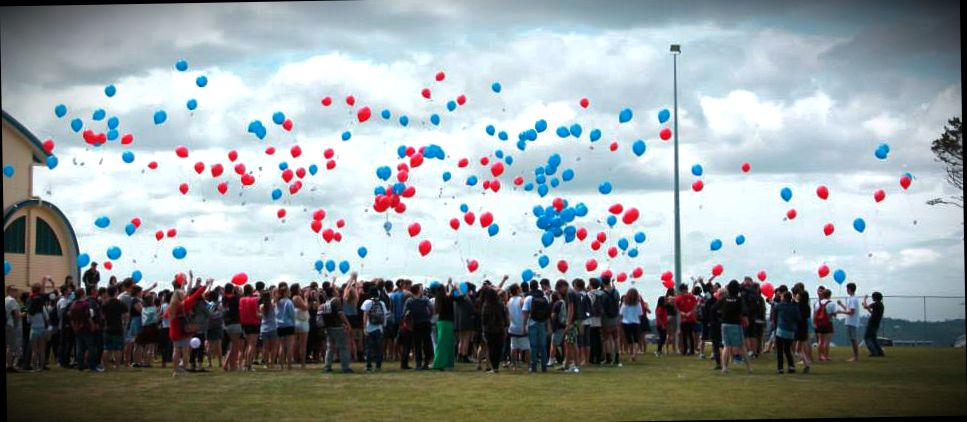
pixel 701 356
pixel 575 370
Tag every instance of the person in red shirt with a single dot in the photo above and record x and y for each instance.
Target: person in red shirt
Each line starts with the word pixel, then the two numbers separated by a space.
pixel 249 315
pixel 661 324
pixel 178 316
pixel 686 303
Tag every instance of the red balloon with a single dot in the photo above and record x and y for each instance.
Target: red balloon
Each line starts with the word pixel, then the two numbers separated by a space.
pixel 613 251
pixel 497 169
pixel 667 275
pixel 232 155
pixel 326 101
pixel 616 209
pixel 240 169
pixel 239 279
pixel 328 153
pixel 469 218
pixel 761 275
pixel 879 195
pixel 495 185
pixel 287 125
pixel 622 277
pixel 582 233
pixel 697 185
pixel 181 151
pixel 158 235
pixel 486 218
pixel 331 164
pixel 791 214
pixel 519 180
pixel 301 172
pixel 637 272
pixel 463 162
pixel 183 188
pixel 602 237
pixel 461 99
pixel 319 214
pixel 340 223
pixel 717 270
pixel 363 114
pixel 440 76
pixel 172 232
pixel 665 134
pixel 181 278
pixel 327 235
pixel 631 215
pixel 414 229
pixel 823 271
pixel 402 176
pixel 280 213
pixel 484 160
pixel 287 175
pixel 296 151
pixel 767 289
pixel 222 188
pixel 558 204
pixel 590 265
pixel 217 170
pixel 828 229
pixel 613 147
pixel 822 192
pixel 249 180
pixel 315 225
pixel 108 265
pixel 410 151
pixel 350 100
pixel 400 208
pixel 668 283
pixel 454 223
pixel 425 93
pixel 905 182
pixel 584 103
pixel 294 187
pixel 136 222
pixel 472 265
pixel 416 160
pixel 199 167
pixel 606 273
pixel 746 167
pixel 562 266
pixel 408 192
pixel 153 165
pixel 425 247
pixel 127 139
pixel 49 146
pixel 595 245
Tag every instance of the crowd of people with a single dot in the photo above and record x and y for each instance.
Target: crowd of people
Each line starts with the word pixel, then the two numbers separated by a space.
pixel 567 325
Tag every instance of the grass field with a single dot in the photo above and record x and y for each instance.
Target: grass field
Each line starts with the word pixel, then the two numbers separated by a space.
pixel 909 382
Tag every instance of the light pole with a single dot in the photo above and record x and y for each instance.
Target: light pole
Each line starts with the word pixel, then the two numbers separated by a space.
pixel 675 50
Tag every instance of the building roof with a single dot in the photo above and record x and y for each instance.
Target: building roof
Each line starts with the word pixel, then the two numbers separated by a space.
pixel 40 156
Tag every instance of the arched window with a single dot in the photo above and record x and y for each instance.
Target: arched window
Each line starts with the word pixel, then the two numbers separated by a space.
pixel 13 236
pixel 47 243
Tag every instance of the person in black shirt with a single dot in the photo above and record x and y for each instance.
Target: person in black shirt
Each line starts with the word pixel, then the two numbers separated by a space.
pixel 873 324
pixel 91 277
pixel 113 311
pixel 732 314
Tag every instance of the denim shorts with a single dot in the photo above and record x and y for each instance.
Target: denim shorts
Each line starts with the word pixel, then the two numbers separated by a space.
pixel 113 343
pixel 520 343
pixel 731 335
pixel 269 335
pixel 851 333
pixel 233 329
pixel 557 337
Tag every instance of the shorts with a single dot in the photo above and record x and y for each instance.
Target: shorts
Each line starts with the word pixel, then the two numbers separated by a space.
pixel 697 327
pixel 731 335
pixel 215 333
pixel 704 329
pixel 251 329
pixel 181 344
pixel 609 331
pixel 631 333
pixel 355 321
pixel 269 335
pixel 13 340
pixel 36 334
pixel 851 333
pixel 584 336
pixel 802 332
pixel 301 326
pixel 148 335
pixel 392 330
pixel 285 331
pixel 520 343
pixel 645 325
pixel 824 329
pixel 134 328
pixel 753 330
pixel 233 329
pixel 113 343
pixel 557 337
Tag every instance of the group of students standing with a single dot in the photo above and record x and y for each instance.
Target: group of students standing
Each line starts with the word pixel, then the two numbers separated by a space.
pixel 568 325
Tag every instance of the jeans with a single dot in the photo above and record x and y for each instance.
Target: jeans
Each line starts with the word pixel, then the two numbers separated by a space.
pixel 716 335
pixel 495 349
pixel 85 344
pixel 422 346
pixel 374 349
pixel 67 345
pixel 687 340
pixel 405 341
pixel 596 351
pixel 784 348
pixel 869 337
pixel 336 338
pixel 537 333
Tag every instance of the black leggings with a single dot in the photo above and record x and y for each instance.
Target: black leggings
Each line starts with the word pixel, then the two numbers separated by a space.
pixel 784 347
pixel 687 341
pixel 495 349
pixel 662 337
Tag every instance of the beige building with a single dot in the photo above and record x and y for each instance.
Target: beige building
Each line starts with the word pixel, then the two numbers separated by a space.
pixel 38 239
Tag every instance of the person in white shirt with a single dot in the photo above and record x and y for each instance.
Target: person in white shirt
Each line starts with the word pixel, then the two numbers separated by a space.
pixel 631 320
pixel 824 331
pixel 852 312
pixel 519 343
pixel 13 334
pixel 374 318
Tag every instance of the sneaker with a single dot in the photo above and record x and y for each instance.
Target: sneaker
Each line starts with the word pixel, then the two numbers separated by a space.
pixel 368 369
pixel 792 370
pixel 618 364
pixel 491 371
pixel 779 371
pixel 101 369
pixel 576 370
pixel 327 370
pixel 657 354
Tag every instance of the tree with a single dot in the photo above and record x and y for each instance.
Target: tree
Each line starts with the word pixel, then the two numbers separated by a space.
pixel 949 149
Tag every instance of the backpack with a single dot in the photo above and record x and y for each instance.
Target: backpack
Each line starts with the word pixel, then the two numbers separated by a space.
pixel 611 304
pixel 540 309
pixel 821 316
pixel 597 304
pixel 421 310
pixel 79 314
pixel 324 309
pixel 562 314
pixel 377 312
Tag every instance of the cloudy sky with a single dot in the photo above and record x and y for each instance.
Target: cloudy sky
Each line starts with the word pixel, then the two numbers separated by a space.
pixel 803 91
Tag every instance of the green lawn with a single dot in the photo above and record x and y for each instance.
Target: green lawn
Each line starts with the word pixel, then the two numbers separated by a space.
pixel 910 382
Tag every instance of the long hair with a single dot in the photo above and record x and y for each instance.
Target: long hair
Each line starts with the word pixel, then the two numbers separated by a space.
pixel 490 301
pixel 176 298
pixel 631 298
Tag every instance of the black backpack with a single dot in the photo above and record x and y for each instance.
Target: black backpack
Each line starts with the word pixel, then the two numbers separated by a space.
pixel 540 309
pixel 611 304
pixel 377 312
pixel 421 311
pixel 324 309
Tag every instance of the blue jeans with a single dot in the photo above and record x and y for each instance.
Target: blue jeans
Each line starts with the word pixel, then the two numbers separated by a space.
pixel 374 349
pixel 85 344
pixel 869 338
pixel 537 333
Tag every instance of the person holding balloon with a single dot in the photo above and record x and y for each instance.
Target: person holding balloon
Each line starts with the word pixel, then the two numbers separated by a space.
pixel 851 310
pixel 732 312
pixel 181 329
pixel 443 306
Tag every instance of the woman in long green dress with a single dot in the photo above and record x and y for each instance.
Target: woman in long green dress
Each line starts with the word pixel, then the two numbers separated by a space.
pixel 443 356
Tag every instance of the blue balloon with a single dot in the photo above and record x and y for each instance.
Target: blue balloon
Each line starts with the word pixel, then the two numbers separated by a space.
pixel 379 190
pixel 136 276
pixel 527 275
pixel 82 260
pixel 127 156
pixel 201 81
pixel 624 116
pixel 60 110
pixel 740 239
pixel 77 124
pixel 493 229
pixel 435 119
pixel 384 172
pixel 786 194
pixel 547 238
pixel 362 251
pixel 179 252
pixel 880 153
pixel 633 252
pixel 472 180
pixel 540 126
pixel 623 243
pixel 8 170
pixel 278 117
pixel 605 188
pixel 112 135
pixel 385 114
pixel 839 276
pixel 464 208
pixel 451 105
pixel 716 245
pixel 446 176
pixel 52 162
pixel 387 226
pixel 638 147
pixel 276 194
pixel 640 237
pixel 7 267
pixel 330 265
pixel 612 220
pixel 283 165
pixel 595 135
pixel 697 170
pixel 495 87
pixel 346 135
pixel 664 115
pixel 859 224
pixel 499 153
pixel 319 265
pixel 181 65
pixel 113 122
pixel 563 132
pixel 401 151
pixel 580 210
pixel 575 130
pixel 344 266
pixel 542 190
pixel 129 229
pixel 192 104
pixel 98 115
pixel 110 90
pixel 160 117
pixel 521 145
pixel 543 261
pixel 313 169
pixel 404 120
pixel 398 188
pixel 113 252
pixel 567 175
pixel 491 130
